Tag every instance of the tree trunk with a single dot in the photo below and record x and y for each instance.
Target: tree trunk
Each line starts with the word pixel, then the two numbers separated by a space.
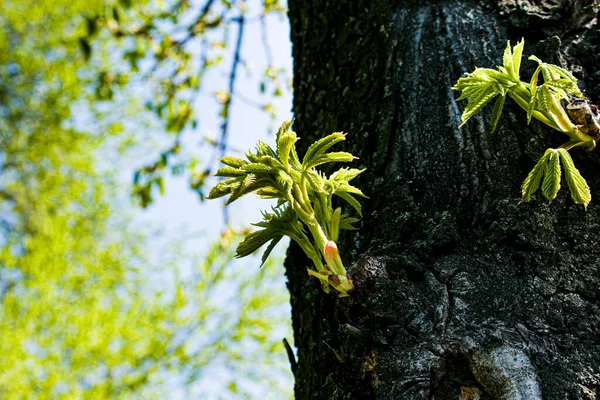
pixel 460 289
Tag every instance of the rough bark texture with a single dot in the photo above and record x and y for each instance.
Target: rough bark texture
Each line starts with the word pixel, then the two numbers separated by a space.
pixel 459 288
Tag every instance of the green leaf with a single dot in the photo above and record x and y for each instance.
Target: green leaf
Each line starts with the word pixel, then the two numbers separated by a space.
pixel 315 179
pixel 544 98
pixel 233 161
pixel 340 156
pixel 268 192
pixel 580 191
pixel 250 183
pixel 304 192
pixel 351 200
pixel 345 174
pixel 516 58
pixel 294 160
pixel 270 248
pixel 251 156
pixel 263 149
pixel 320 147
pixel 534 80
pixel 258 168
pixel 536 59
pixel 551 183
pixel 347 188
pixel 254 241
pixel 507 59
pixel 285 141
pixel 562 84
pixel 565 85
pixel 492 76
pixel 285 127
pixel 548 73
pixel 335 224
pixel 558 72
pixel 532 182
pixel 477 101
pixel 229 172
pixel 285 183
pixel 533 91
pixel 497 111
pixel 224 188
pixel 271 161
pixel 346 223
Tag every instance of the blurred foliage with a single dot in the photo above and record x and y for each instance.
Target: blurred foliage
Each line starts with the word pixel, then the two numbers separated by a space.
pixel 86 311
pixel 170 46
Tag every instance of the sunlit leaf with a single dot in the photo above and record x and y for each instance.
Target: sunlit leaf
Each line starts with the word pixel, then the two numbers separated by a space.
pixel 551 183
pixel 532 182
pixel 580 191
pixel 319 147
pixel 497 111
pixel 516 57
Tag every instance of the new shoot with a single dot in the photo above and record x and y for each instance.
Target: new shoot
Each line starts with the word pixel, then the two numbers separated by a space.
pixel 304 210
pixel 545 102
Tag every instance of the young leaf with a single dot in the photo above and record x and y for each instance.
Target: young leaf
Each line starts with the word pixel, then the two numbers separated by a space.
pixel 541 101
pixel 580 191
pixel 345 174
pixel 268 192
pixel 271 161
pixel 286 140
pixel 346 223
pixel 335 224
pixel 533 92
pixel 254 241
pixel 250 183
pixel 233 161
pixel 294 160
pixel 561 86
pixel 315 179
pixel 516 58
pixel 507 60
pixel 548 73
pixel 339 156
pixel 224 188
pixel 263 149
pixel 258 168
pixel 270 248
pixel 560 72
pixel 320 147
pixel 285 127
pixel 551 183
pixel 544 98
pixel 353 202
pixel 347 188
pixel 497 111
pixel 285 183
pixel 534 81
pixel 229 172
pixel 478 100
pixel 532 182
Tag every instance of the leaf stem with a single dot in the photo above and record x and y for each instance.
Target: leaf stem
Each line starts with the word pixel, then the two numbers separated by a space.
pixel 522 97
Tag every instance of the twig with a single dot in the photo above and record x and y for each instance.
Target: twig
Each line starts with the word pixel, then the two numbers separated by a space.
pixel 225 125
pixel 265 40
pixel 205 9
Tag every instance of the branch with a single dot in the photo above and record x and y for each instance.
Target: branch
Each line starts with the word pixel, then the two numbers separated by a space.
pixel 225 125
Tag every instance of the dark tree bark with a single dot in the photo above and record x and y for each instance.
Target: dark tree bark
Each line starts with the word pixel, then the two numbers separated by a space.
pixel 459 287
